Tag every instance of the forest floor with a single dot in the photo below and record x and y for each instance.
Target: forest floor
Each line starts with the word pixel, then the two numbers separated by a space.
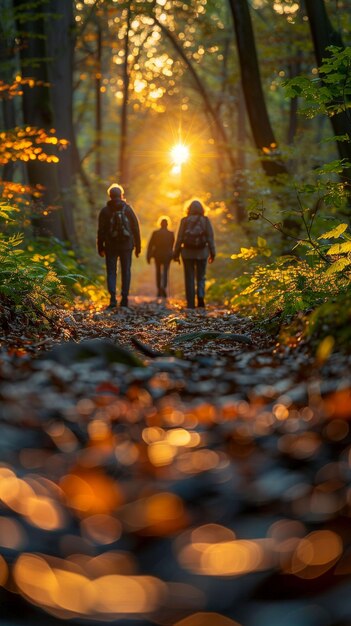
pixel 165 466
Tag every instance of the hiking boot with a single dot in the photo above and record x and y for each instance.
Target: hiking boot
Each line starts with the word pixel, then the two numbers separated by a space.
pixel 201 303
pixel 124 302
pixel 163 293
pixel 112 305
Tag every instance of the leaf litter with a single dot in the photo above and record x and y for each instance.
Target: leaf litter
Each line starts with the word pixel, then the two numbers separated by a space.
pixel 155 471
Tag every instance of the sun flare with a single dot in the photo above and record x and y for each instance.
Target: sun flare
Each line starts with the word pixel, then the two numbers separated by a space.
pixel 179 154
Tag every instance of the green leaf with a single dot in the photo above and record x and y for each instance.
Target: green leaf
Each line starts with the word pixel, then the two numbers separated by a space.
pixel 334 232
pixel 336 167
pixel 261 242
pixel 344 137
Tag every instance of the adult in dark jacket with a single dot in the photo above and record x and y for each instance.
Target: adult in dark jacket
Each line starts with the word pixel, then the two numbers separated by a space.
pixel 160 247
pixel 115 243
pixel 195 251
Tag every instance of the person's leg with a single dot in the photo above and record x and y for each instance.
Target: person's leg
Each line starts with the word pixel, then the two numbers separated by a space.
pixel 158 277
pixel 189 279
pixel 126 262
pixel 111 274
pixel 200 281
pixel 165 274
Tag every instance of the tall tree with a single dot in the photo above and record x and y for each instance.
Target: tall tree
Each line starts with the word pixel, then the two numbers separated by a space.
pixel 38 112
pixel 7 44
pixel 252 87
pixel 324 35
pixel 98 101
pixel 123 157
pixel 60 44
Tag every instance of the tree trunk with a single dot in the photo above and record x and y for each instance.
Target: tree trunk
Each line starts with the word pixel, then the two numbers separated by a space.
pixel 239 178
pixel 38 112
pixel 324 35
pixel 60 47
pixel 8 109
pixel 255 103
pixel 123 159
pixel 98 107
pixel 294 69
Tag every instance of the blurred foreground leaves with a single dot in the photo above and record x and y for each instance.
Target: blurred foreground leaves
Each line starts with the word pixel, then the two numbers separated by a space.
pixel 210 487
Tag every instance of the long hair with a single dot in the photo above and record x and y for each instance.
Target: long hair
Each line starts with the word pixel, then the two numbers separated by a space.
pixel 195 208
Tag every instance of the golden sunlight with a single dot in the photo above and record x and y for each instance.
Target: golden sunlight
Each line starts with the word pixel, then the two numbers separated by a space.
pixel 179 155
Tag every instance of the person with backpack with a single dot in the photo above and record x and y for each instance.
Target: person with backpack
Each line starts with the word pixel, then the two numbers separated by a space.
pixel 118 234
pixel 195 244
pixel 160 247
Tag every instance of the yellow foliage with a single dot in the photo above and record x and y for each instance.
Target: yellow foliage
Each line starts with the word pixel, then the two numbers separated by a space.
pixel 24 144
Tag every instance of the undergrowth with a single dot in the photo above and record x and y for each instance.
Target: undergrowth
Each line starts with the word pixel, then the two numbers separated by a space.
pixel 37 276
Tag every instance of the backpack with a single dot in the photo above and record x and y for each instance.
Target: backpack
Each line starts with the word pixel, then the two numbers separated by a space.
pixel 120 226
pixel 195 234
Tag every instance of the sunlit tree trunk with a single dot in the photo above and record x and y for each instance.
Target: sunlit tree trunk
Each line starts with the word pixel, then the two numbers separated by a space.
pixel 324 35
pixel 254 98
pixel 98 102
pixel 60 43
pixel 123 157
pixel 38 112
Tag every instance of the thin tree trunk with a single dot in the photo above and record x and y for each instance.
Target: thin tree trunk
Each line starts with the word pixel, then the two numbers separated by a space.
pixel 98 109
pixel 84 179
pixel 8 109
pixel 60 47
pixel 294 70
pixel 38 112
pixel 255 103
pixel 292 128
pixel 123 159
pixel 239 178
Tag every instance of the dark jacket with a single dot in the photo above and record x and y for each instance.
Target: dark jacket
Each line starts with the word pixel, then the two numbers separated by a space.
pixel 197 253
pixel 106 243
pixel 160 246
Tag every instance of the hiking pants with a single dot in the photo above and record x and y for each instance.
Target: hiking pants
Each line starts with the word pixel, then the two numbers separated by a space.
pixel 194 269
pixel 162 268
pixel 125 257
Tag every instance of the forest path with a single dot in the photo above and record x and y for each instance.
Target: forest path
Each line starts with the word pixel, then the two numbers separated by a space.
pixel 156 322
pixel 202 470
pixel 163 323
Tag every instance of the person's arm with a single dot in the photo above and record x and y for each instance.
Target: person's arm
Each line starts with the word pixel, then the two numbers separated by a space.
pixel 179 241
pixel 210 240
pixel 150 248
pixel 101 234
pixel 135 229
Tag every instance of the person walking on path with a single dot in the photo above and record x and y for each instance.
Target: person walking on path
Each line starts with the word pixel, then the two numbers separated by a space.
pixel 160 247
pixel 118 234
pixel 195 244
